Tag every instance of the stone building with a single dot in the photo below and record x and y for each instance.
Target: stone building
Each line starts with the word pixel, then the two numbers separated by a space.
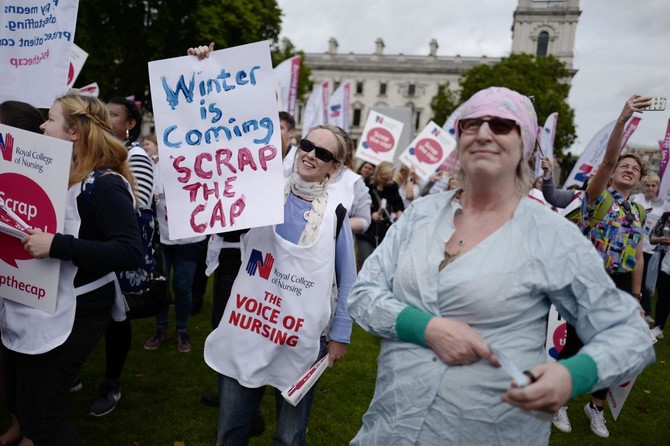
pixel 380 80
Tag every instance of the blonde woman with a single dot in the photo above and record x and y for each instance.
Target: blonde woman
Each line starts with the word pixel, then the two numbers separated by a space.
pixel 100 236
pixel 385 208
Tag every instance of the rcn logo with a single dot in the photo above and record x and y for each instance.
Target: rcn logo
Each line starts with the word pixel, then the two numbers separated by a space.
pixel 7 146
pixel 256 262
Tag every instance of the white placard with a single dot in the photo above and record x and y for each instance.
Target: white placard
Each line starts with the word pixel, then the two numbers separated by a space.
pixel 217 124
pixel 617 395
pixel 556 327
pixel 428 150
pixel 35 46
pixel 77 60
pixel 34 172
pixel 379 139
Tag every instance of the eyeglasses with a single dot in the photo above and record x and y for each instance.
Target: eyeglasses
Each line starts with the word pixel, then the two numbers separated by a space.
pixel 499 126
pixel 324 155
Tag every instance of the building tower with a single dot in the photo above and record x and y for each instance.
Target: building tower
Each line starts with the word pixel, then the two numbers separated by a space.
pixel 546 27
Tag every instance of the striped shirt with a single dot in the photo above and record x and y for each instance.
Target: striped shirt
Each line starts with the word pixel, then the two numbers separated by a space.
pixel 143 169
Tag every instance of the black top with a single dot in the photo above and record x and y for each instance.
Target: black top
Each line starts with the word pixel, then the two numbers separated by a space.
pixel 377 229
pixel 108 240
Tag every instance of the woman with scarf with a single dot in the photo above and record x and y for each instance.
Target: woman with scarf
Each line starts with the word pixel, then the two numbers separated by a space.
pixel 463 283
pixel 287 307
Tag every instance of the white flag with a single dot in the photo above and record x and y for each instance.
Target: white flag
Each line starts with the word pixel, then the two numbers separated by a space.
pixel 547 137
pixel 338 107
pixel 595 152
pixel 315 112
pixel 451 164
pixel 287 74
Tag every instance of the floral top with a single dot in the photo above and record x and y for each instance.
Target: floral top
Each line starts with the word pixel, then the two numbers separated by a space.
pixel 617 235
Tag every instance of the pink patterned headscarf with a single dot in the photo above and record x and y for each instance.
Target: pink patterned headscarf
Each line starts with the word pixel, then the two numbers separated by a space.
pixel 502 102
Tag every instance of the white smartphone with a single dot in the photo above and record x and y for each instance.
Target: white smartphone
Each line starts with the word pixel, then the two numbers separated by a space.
pixel 657 104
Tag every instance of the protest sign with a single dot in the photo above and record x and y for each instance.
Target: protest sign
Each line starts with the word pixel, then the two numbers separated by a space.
pixel 77 59
pixel 217 125
pixel 556 328
pixel 428 150
pixel 617 395
pixel 34 172
pixel 379 139
pixel 36 40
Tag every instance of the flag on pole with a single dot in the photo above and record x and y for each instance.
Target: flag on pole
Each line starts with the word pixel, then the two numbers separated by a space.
pixel 287 74
pixel 316 108
pixel 338 107
pixel 664 145
pixel 546 141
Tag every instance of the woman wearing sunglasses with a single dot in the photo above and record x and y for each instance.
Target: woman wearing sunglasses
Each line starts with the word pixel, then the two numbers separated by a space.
pixel 462 284
pixel 288 303
pixel 616 228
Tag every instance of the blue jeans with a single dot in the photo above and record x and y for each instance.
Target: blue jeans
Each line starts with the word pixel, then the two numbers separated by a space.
pixel 238 406
pixel 182 271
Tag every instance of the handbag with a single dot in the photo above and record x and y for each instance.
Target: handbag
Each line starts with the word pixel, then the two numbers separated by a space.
pixel 156 298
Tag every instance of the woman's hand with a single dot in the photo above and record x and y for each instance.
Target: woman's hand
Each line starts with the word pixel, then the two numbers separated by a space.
pixel 551 390
pixel 202 51
pixel 336 350
pixel 376 217
pixel 546 165
pixel 456 343
pixel 634 104
pixel 38 243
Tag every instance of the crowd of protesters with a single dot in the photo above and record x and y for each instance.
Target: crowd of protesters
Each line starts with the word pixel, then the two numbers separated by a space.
pixel 456 275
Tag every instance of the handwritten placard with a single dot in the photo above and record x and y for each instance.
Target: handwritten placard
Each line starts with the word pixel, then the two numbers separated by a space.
pixel 217 124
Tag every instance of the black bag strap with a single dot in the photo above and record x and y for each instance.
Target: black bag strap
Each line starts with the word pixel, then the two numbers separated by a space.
pixel 340 213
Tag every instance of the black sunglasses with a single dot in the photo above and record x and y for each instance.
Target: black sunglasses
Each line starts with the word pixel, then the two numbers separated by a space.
pixel 324 155
pixel 499 126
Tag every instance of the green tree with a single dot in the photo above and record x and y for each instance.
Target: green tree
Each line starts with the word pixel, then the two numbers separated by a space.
pixel 122 36
pixel 545 79
pixel 285 50
pixel 443 103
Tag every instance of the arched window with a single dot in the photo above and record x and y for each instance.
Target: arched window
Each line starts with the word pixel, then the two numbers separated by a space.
pixel 542 44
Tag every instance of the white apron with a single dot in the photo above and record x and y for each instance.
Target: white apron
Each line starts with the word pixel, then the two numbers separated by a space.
pixel 278 308
pixel 342 191
pixel 32 331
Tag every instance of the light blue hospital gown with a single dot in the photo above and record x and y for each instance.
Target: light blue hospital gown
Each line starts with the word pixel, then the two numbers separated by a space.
pixel 503 289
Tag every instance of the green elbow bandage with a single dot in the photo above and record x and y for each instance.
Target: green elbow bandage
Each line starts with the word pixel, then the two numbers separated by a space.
pixel 584 372
pixel 411 325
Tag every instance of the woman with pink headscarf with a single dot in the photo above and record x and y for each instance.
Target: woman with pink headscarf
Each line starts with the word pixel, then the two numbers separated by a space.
pixel 462 285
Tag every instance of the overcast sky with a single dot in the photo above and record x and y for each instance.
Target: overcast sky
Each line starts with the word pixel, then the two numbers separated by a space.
pixel 622 47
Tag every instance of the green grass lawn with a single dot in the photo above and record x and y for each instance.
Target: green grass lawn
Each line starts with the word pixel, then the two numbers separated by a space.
pixel 161 392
